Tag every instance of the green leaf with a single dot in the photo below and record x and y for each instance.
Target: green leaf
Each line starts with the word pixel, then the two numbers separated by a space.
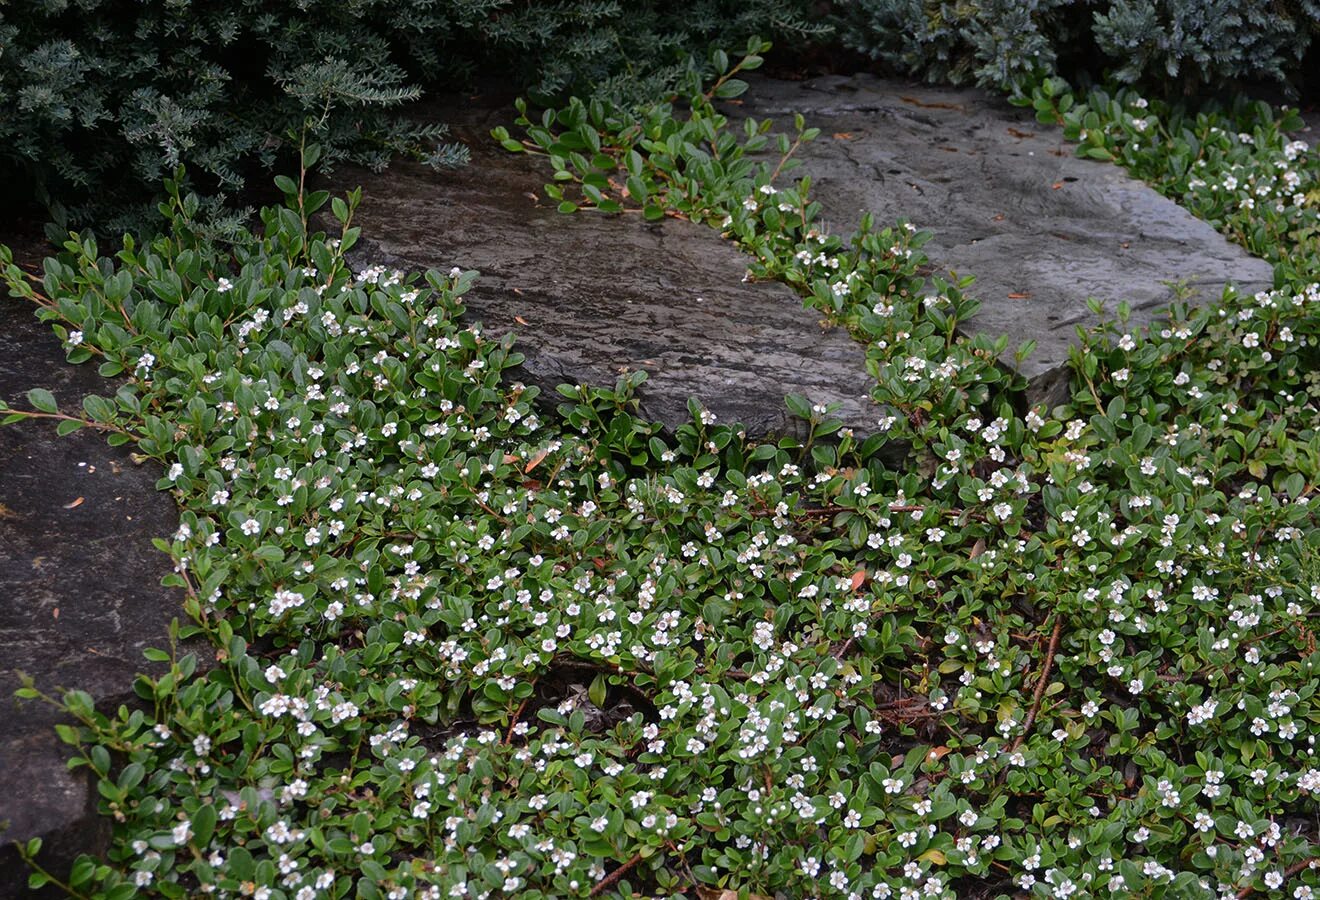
pixel 42 400
pixel 203 825
pixel 734 87
pixel 98 409
pixel 799 406
pixel 132 776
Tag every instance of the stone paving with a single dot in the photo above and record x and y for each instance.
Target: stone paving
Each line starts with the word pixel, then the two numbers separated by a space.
pixel 80 593
pixel 1008 202
pixel 592 297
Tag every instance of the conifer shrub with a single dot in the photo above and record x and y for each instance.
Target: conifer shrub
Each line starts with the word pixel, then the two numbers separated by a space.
pixel 1173 45
pixel 101 99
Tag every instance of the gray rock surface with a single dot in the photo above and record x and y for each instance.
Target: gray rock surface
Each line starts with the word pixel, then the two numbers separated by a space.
pixel 80 593
pixel 1008 202
pixel 601 296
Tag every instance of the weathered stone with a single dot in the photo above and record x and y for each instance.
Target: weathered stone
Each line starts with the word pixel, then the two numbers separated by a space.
pixel 592 297
pixel 80 593
pixel 1008 202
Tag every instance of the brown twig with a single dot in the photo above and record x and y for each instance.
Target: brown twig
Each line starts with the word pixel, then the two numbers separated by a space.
pixel 609 880
pixel 1040 684
pixel 847 645
pixel 735 674
pixel 62 417
pixel 806 511
pixel 1288 873
pixel 626 684
pixel 683 861
pixel 513 723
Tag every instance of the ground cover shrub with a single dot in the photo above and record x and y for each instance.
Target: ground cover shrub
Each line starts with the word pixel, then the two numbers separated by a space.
pixel 1244 172
pixel 101 99
pixel 1174 45
pixel 467 652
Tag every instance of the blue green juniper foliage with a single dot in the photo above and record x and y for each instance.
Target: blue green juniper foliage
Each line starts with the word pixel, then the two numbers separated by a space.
pixel 1180 45
pixel 471 647
pixel 100 99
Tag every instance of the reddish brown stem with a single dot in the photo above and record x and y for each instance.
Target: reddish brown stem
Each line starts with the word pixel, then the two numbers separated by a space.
pixel 1040 683
pixel 611 879
pixel 513 723
pixel 1288 873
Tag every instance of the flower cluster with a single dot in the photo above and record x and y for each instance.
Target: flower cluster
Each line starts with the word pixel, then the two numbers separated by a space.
pixel 464 652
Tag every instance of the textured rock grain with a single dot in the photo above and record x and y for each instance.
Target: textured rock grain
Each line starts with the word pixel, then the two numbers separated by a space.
pixel 80 593
pixel 1008 202
pixel 601 296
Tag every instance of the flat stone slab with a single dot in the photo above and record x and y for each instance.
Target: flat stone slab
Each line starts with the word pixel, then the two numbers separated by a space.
pixel 592 297
pixel 1009 203
pixel 80 593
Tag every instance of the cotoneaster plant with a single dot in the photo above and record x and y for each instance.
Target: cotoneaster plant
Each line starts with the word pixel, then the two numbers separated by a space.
pixel 467 646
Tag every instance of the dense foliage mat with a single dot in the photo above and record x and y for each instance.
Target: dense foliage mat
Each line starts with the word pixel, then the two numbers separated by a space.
pixel 470 648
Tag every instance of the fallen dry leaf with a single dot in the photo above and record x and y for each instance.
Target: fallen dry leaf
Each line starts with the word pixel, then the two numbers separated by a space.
pixel 843 136
pixel 536 460
pixel 1019 295
pixel 915 102
pixel 55 613
pixel 978 548
pixel 78 502
pixel 859 577
pixel 521 321
pixel 1057 185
